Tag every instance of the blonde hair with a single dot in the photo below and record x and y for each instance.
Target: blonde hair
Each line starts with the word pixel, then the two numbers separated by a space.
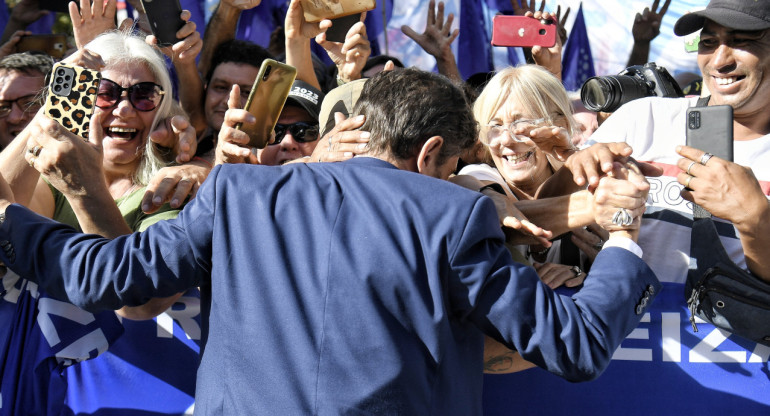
pixel 125 48
pixel 532 87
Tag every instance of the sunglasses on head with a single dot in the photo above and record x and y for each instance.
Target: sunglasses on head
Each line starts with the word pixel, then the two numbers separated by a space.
pixel 301 132
pixel 144 96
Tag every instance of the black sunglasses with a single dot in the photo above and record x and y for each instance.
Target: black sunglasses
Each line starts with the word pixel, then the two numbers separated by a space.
pixel 144 96
pixel 302 132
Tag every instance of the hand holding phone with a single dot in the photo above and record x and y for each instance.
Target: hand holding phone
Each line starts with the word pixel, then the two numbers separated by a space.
pixel 164 19
pixel 72 96
pixel 711 129
pixel 317 10
pixel 523 31
pixel 266 100
pixel 54 45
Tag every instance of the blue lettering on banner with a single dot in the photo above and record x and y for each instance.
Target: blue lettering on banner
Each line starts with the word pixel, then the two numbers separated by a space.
pixel 661 368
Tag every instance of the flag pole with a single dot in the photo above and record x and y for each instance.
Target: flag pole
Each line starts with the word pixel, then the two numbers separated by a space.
pixel 385 25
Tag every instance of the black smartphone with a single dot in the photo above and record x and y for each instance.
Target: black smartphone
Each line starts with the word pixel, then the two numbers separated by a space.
pixel 711 129
pixel 164 19
pixel 60 6
pixel 340 27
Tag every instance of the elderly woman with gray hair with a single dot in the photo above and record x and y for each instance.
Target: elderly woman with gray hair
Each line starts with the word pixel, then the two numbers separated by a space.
pixel 97 187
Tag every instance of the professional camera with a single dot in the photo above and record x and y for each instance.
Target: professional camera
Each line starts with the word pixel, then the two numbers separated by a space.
pixel 608 93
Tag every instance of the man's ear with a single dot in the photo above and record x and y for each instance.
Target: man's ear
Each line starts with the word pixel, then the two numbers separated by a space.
pixel 427 159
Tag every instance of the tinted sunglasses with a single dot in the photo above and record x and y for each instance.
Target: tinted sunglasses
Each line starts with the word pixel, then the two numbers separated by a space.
pixel 301 132
pixel 144 96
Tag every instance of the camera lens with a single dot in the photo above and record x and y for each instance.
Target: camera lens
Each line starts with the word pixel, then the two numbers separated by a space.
pixel 607 94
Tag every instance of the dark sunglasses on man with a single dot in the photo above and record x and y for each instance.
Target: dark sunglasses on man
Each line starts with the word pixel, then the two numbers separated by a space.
pixel 301 132
pixel 144 96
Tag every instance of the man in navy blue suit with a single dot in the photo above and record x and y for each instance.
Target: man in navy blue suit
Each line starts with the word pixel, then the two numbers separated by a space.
pixel 360 287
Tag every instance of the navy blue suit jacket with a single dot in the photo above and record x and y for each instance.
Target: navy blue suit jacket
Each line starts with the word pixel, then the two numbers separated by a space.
pixel 346 288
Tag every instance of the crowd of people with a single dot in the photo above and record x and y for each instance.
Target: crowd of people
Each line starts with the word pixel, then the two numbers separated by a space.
pixel 402 234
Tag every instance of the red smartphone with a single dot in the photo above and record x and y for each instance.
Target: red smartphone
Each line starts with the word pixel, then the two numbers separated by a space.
pixel 523 31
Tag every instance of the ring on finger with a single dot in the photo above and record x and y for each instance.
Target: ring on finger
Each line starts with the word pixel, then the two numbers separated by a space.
pixel 687 181
pixel 32 161
pixel 690 167
pixel 599 244
pixel 622 218
pixel 705 158
pixel 35 151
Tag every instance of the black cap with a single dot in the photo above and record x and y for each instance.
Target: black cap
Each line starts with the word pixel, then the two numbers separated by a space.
pixel 305 96
pixel 749 15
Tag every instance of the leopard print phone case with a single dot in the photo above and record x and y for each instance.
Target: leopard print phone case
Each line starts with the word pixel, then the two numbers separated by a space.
pixel 72 96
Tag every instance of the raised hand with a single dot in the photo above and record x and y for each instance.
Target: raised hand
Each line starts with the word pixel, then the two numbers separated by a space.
pixel 9 47
pixel 553 140
pixel 233 144
pixel 187 49
pixel 647 23
pixel 176 133
pixel 174 184
pixel 92 19
pixel 437 39
pixel 342 142
pixel 350 56
pixel 526 6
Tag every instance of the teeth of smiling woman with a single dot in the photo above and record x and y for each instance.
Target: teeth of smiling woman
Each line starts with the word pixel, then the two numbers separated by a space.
pixel 725 81
pixel 518 157
pixel 122 130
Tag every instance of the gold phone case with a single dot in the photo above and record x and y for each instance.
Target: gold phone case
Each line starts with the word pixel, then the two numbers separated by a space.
pixel 317 10
pixel 72 96
pixel 266 100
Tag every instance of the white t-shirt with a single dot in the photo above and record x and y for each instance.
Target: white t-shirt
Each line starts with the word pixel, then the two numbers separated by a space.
pixel 654 127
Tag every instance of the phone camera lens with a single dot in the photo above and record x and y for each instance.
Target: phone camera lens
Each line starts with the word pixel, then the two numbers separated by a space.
pixel 56 88
pixel 542 32
pixel 267 73
pixel 67 77
pixel 60 72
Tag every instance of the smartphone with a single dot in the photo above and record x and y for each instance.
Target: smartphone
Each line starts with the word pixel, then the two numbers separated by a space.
pixel 711 129
pixel 72 96
pixel 60 6
pixel 317 10
pixel 266 100
pixel 164 19
pixel 53 45
pixel 340 27
pixel 523 31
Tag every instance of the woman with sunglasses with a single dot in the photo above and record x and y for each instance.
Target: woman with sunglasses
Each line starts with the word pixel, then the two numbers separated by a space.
pixel 98 188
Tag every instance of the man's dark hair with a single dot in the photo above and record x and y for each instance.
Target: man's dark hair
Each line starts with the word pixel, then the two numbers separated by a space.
pixel 239 52
pixel 406 107
pixel 30 64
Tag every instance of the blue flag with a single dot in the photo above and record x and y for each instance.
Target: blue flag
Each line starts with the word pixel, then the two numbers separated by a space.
pixel 577 61
pixel 41 337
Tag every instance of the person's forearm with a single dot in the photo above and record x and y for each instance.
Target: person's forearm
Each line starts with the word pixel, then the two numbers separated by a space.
pixel 447 66
pixel 10 28
pixel 221 28
pixel 299 56
pixel 755 239
pixel 21 177
pixel 559 214
pixel 191 97
pixel 97 213
pixel 640 53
